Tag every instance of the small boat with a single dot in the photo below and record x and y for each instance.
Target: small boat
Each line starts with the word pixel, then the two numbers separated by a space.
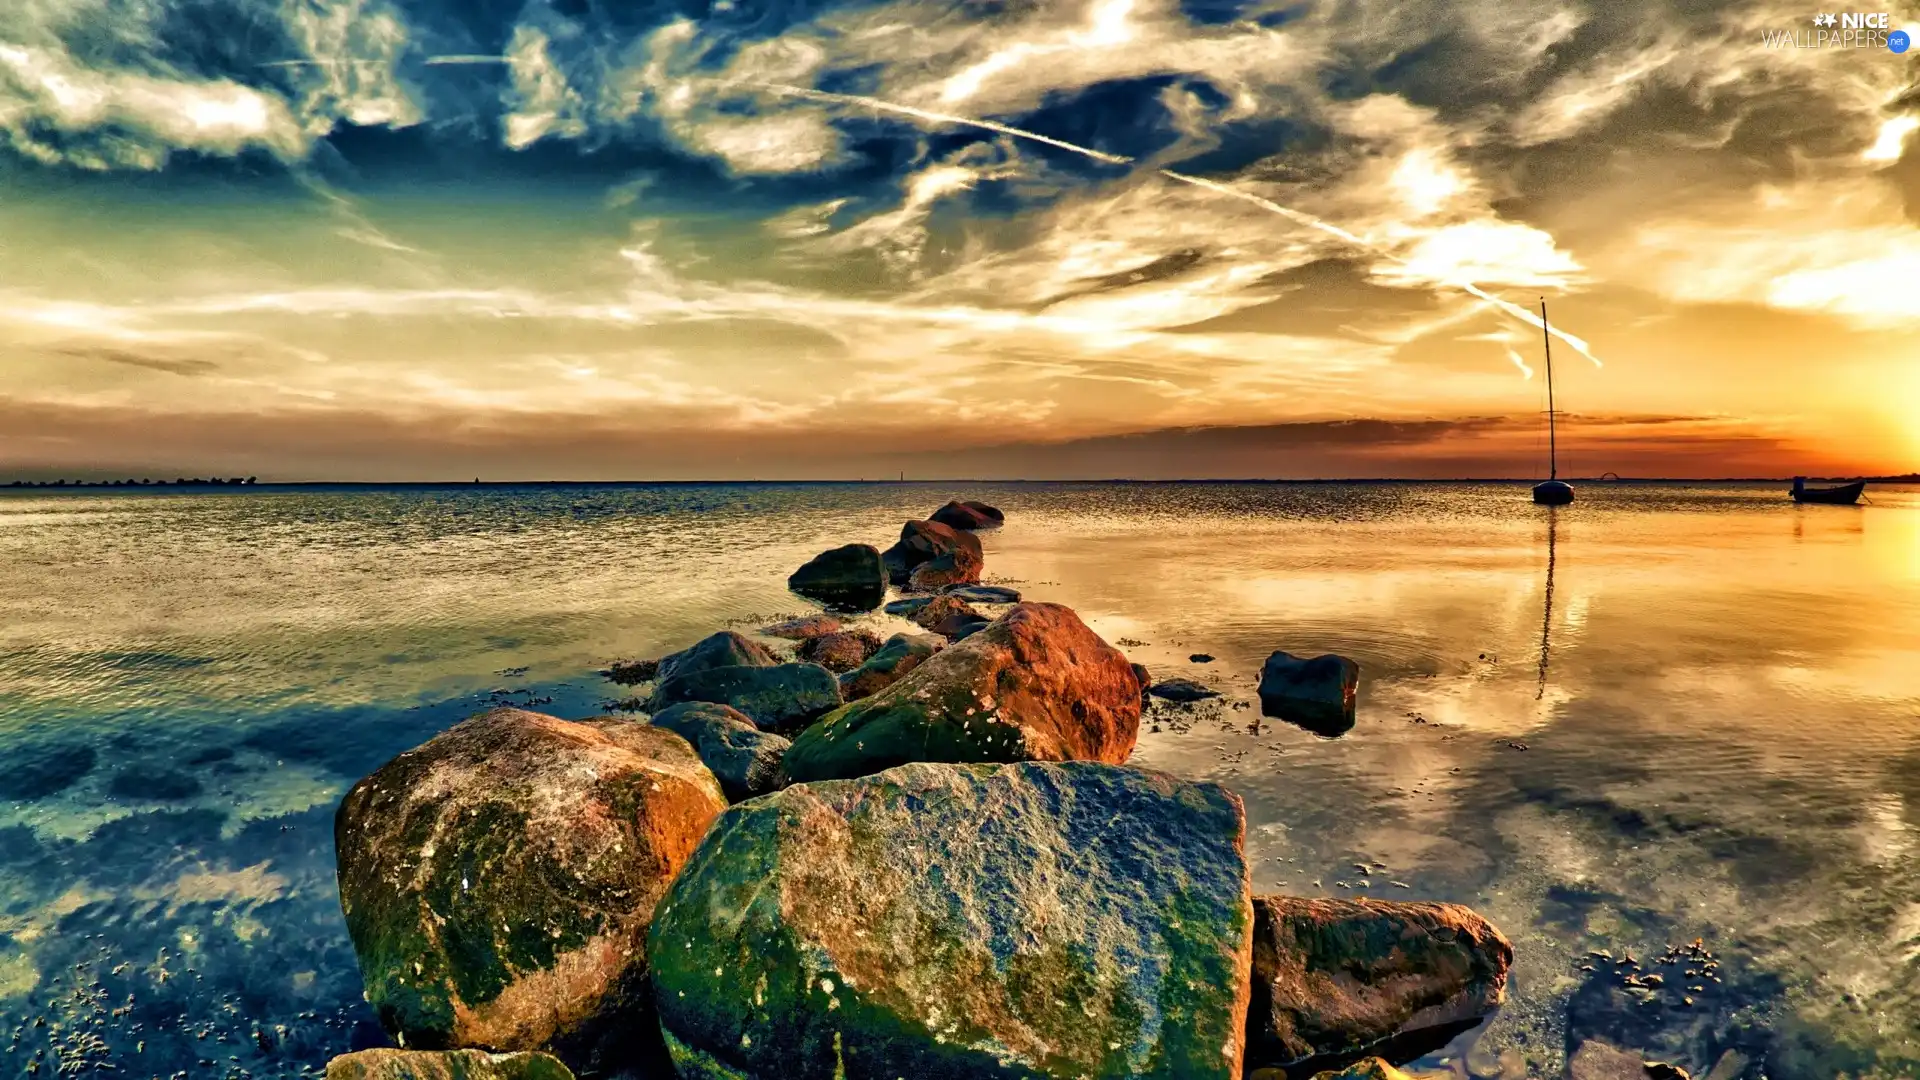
pixel 1552 491
pixel 1843 495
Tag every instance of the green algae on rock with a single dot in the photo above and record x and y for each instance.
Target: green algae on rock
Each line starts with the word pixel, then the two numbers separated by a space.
pixel 446 1065
pixel 1340 977
pixel 498 881
pixel 1035 685
pixel 743 758
pixel 1028 920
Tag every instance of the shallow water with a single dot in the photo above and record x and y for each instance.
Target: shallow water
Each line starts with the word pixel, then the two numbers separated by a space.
pixel 1712 732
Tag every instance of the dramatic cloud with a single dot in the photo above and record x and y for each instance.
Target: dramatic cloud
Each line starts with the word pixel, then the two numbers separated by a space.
pixel 454 223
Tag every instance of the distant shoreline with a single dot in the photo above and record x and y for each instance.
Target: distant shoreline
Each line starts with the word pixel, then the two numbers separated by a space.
pixel 254 484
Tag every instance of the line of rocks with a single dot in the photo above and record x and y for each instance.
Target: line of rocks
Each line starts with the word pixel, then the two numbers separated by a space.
pixel 924 856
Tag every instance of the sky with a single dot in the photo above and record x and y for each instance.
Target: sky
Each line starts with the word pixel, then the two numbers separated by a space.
pixel 756 239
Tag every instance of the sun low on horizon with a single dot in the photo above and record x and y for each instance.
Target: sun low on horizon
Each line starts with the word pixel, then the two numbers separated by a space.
pixel 570 239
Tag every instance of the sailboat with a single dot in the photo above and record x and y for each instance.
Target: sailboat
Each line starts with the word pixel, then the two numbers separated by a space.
pixel 1552 491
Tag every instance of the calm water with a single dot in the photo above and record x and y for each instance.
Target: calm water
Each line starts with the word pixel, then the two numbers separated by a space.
pixel 1713 732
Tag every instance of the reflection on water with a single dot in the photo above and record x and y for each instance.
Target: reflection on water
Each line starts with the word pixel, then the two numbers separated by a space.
pixel 1661 714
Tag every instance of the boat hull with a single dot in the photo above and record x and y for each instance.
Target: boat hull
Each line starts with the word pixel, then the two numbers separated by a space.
pixel 1552 493
pixel 1844 495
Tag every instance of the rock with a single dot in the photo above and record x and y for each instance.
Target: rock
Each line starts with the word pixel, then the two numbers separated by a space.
pixel 1316 694
pixel 843 650
pixel 1179 689
pixel 1035 685
pixel 901 654
pixel 907 607
pixel 1200 658
pixel 968 515
pixel 924 541
pixel 946 571
pixel 37 770
pixel 1661 1070
pixel 1143 676
pixel 947 616
pixel 498 881
pixel 724 649
pixel 984 594
pixel 152 782
pixel 445 1065
pixel 1342 977
pixel 963 921
pixel 851 578
pixel 778 698
pixel 743 758
pixel 803 628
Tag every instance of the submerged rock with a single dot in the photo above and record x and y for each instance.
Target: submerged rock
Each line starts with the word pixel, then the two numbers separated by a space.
pixel 901 654
pixel 1317 694
pixel 498 881
pixel 724 649
pixel 1341 977
pixel 631 672
pixel 924 541
pixel 778 698
pixel 985 594
pixel 445 1065
pixel 37 770
pixel 1035 685
pixel 907 607
pixel 851 577
pixel 152 782
pixel 1183 690
pixel 804 628
pixel 963 921
pixel 743 758
pixel 968 515
pixel 842 650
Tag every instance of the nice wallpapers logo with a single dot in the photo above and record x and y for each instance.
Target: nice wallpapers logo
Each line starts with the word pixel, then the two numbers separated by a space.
pixel 1847 30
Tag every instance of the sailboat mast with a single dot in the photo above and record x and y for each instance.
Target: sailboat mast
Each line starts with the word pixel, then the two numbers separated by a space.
pixel 1553 447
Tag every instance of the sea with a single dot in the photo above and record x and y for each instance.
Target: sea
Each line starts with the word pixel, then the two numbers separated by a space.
pixel 1668 716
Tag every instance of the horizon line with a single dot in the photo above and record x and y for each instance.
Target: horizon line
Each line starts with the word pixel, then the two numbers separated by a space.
pixel 217 482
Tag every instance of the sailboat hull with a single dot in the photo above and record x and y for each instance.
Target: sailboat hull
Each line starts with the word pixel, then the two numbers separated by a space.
pixel 1552 493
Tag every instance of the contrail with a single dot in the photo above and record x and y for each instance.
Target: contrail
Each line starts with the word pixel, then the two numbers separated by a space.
pixel 464 58
pixel 1298 217
pixel 1519 363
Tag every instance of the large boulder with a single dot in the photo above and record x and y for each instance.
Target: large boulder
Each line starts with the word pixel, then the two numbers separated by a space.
pixel 727 648
pixel 968 515
pixel 851 578
pixel 901 654
pixel 1344 977
pixel 778 698
pixel 743 758
pixel 1317 694
pixel 925 541
pixel 1035 685
pixel 498 881
pixel 446 1065
pixel 842 650
pixel 1010 921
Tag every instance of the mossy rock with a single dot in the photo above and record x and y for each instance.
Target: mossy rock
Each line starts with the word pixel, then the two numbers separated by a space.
pixel 1335 978
pixel 900 654
pixel 779 698
pixel 728 648
pixel 743 758
pixel 446 1065
pixel 498 881
pixel 1030 920
pixel 1035 685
